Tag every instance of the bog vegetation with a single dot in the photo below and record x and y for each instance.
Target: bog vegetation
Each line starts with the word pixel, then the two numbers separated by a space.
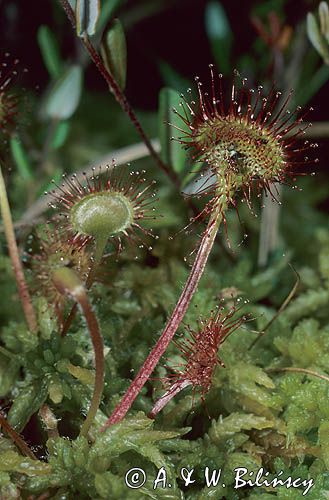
pixel 166 307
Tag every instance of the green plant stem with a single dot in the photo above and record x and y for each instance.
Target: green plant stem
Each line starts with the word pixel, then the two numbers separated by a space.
pixel 283 306
pixel 293 369
pixel 174 321
pixel 20 443
pixel 6 353
pixel 120 96
pixel 15 258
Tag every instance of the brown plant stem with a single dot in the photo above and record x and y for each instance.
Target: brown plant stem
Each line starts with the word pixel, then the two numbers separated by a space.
pixel 68 283
pixel 176 388
pixel 293 369
pixel 15 258
pixel 100 247
pixel 119 95
pixel 17 439
pixel 174 321
pixel 97 341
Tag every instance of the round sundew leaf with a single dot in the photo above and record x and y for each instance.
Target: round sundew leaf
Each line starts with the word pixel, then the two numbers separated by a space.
pixel 101 215
pixel 64 97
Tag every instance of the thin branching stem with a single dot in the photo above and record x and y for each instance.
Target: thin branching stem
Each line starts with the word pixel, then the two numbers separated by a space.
pixel 119 95
pixel 174 321
pixel 293 369
pixel 17 439
pixel 15 258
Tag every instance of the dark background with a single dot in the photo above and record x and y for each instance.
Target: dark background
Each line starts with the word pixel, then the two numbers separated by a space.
pixel 170 30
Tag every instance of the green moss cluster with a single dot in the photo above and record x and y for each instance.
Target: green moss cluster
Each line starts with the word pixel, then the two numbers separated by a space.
pixel 259 417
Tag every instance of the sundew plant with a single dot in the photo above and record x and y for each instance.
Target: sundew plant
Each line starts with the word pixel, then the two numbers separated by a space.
pixel 164 250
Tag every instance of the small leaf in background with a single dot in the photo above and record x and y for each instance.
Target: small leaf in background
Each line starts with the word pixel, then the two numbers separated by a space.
pixel 220 35
pixel 316 38
pixel 324 19
pixel 171 78
pixel 114 52
pixel 50 52
pixel 60 135
pixel 107 11
pixel 57 176
pixel 171 150
pixel 21 158
pixel 86 14
pixel 64 98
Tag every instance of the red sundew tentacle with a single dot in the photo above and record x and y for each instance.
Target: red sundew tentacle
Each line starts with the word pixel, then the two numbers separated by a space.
pixel 261 111
pixel 250 94
pixel 295 137
pixel 299 132
pixel 270 103
pixel 8 100
pixel 253 114
pixel 243 93
pixel 182 105
pixel 179 129
pixel 189 107
pixel 281 110
pixel 213 92
pixel 220 102
pixel 283 125
pixel 201 99
pixel 184 119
